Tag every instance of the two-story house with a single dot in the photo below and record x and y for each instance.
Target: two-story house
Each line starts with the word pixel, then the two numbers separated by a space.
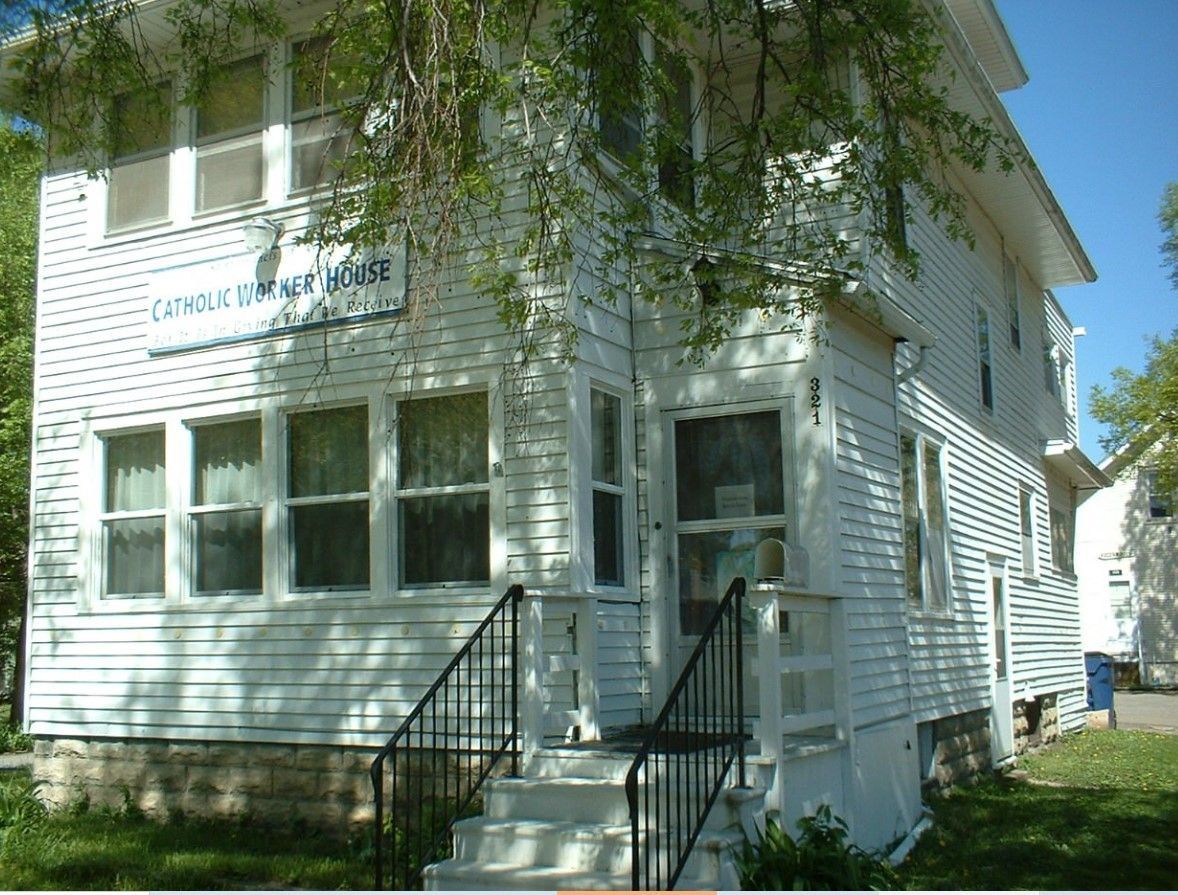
pixel 260 535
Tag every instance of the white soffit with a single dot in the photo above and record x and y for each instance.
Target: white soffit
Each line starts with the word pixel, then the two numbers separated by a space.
pixel 987 35
pixel 1021 204
pixel 1067 459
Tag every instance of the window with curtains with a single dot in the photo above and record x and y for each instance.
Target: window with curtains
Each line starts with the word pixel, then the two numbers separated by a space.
pixel 443 491
pixel 327 498
pixel 226 512
pixel 609 566
pixel 134 513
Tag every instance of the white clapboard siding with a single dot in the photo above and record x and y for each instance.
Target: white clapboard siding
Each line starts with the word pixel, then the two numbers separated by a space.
pixel 871 559
pixel 988 456
pixel 333 670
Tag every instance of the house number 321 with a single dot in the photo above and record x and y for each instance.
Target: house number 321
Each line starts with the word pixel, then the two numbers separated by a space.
pixel 816 400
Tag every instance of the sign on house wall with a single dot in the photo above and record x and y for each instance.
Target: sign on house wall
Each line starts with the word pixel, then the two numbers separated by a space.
pixel 288 288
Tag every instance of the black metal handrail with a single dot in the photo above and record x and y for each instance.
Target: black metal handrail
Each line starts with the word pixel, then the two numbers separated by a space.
pixel 447 747
pixel 689 750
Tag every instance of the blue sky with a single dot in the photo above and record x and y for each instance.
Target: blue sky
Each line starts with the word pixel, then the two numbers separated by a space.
pixel 1100 114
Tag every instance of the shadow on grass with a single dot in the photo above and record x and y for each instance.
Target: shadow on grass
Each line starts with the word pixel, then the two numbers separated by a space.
pixel 1024 836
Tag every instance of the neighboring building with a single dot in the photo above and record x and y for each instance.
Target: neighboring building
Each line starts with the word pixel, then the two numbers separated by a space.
pixel 1127 562
pixel 255 544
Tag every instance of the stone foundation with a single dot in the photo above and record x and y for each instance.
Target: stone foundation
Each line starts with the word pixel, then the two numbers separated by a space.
pixel 326 788
pixel 1036 722
pixel 962 748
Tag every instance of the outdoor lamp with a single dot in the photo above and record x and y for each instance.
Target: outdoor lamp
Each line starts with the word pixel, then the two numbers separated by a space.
pixel 262 234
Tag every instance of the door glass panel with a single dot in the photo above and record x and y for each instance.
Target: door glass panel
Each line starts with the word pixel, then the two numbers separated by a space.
pixel 999 628
pixel 708 561
pixel 729 466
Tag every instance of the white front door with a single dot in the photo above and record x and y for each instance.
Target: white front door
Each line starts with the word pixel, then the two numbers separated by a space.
pixel 1001 706
pixel 729 490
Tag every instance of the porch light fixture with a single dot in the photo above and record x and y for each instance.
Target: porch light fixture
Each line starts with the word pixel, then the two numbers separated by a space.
pixel 262 234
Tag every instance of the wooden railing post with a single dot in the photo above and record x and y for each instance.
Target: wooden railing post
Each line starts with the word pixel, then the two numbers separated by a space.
pixel 765 601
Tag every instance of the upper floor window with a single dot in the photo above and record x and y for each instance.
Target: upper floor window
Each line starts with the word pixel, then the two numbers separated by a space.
pixel 985 368
pixel 230 123
pixel 319 136
pixel 138 188
pixel 1052 370
pixel 926 523
pixel 1010 289
pixel 623 124
pixel 1063 536
pixel 1161 504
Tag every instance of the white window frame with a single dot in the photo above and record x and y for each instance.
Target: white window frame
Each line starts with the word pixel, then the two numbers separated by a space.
pixel 276 141
pixel 179 547
pixel 1149 478
pixel 923 604
pixel 1068 515
pixel 1011 292
pixel 1028 531
pixel 581 464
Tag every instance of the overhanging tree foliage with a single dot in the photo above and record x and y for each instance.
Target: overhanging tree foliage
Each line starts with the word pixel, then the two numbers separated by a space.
pixel 1141 409
pixel 20 158
pixel 515 134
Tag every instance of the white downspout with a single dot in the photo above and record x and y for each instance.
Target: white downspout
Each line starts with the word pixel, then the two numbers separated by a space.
pixel 907 374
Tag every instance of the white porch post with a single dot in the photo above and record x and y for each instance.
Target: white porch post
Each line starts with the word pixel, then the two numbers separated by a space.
pixel 532 708
pixel 764 600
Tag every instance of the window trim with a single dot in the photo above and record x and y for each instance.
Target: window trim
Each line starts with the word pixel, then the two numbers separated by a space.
pixel 625 490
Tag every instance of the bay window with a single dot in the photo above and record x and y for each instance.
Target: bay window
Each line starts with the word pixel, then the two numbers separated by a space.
pixel 227 511
pixel 443 491
pixel 328 498
pixel 134 510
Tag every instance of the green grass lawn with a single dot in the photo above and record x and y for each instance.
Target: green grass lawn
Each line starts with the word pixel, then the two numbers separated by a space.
pixel 110 850
pixel 1100 811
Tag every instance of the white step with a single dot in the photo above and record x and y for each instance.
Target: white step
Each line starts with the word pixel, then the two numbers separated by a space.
pixel 567 826
pixel 597 847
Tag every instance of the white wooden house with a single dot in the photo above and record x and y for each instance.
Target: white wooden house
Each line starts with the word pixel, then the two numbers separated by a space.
pixel 258 538
pixel 1127 563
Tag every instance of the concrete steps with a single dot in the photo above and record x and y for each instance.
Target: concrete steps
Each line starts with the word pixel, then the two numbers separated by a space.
pixel 565 825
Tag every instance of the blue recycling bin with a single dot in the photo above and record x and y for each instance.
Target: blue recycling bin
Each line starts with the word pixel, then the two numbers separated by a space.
pixel 1100 683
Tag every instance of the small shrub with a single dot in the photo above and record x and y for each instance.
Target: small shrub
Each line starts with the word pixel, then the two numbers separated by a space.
pixel 13 739
pixel 820 859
